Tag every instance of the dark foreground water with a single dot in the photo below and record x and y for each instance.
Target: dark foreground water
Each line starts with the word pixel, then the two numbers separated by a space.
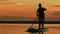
pixel 21 28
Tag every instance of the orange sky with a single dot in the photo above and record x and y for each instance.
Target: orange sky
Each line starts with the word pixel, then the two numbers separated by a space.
pixel 26 10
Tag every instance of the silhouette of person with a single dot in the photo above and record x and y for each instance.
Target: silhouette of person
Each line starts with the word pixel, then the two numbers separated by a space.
pixel 40 14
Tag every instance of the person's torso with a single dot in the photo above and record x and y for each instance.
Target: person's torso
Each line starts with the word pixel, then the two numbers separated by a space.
pixel 41 12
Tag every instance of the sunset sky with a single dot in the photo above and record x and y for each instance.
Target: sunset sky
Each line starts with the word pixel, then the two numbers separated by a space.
pixel 26 9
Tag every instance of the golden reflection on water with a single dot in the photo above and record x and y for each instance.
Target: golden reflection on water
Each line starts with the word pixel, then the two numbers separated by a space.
pixel 21 28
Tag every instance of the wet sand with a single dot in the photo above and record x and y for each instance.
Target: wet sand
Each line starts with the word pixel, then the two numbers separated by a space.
pixel 21 28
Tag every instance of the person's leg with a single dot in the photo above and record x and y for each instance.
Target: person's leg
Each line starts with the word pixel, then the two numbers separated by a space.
pixel 39 21
pixel 39 24
pixel 42 24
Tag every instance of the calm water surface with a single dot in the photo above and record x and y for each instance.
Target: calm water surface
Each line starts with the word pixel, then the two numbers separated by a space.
pixel 21 28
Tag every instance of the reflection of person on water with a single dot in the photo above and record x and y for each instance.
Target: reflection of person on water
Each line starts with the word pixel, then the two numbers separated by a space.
pixel 40 14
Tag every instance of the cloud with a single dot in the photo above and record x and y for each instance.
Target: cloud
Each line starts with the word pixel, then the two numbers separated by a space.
pixel 6 2
pixel 54 16
pixel 58 18
pixel 57 13
pixel 49 19
pixel 12 17
pixel 3 0
pixel 53 19
pixel 10 4
pixel 15 18
pixel 56 6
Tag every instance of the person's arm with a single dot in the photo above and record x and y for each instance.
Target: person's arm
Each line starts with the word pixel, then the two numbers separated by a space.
pixel 45 9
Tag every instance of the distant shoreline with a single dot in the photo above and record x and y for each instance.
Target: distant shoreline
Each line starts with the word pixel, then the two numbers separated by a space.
pixel 28 22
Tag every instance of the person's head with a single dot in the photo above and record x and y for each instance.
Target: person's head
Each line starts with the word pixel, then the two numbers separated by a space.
pixel 39 4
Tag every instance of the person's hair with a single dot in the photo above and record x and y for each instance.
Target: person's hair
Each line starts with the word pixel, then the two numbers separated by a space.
pixel 39 4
